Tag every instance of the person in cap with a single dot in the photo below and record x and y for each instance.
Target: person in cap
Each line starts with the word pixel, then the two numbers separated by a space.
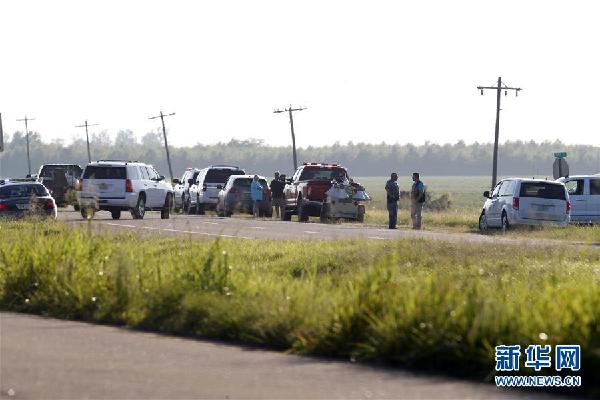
pixel 276 186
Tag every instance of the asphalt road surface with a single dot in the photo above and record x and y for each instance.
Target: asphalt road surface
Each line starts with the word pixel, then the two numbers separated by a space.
pixel 55 359
pixel 210 226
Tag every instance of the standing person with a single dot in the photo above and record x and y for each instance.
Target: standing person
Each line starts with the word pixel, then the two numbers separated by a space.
pixel 256 191
pixel 417 198
pixel 277 185
pixel 393 195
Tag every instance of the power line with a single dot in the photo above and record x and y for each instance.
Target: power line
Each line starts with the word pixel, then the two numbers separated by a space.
pixel 27 138
pixel 499 88
pixel 162 120
pixel 87 137
pixel 291 110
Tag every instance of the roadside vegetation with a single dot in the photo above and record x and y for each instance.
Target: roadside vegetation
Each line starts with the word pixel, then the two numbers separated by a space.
pixel 417 304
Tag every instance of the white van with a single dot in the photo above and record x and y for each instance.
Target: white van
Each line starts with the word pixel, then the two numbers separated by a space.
pixel 584 191
pixel 519 201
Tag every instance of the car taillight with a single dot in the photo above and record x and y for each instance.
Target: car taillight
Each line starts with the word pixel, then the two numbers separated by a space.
pixel 568 207
pixel 515 204
pixel 128 186
pixel 2 206
pixel 78 185
pixel 234 190
pixel 204 187
pixel 50 203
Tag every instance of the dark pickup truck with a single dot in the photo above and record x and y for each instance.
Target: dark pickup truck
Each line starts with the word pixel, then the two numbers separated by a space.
pixel 304 193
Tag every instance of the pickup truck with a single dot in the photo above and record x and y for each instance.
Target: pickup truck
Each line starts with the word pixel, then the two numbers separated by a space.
pixel 304 193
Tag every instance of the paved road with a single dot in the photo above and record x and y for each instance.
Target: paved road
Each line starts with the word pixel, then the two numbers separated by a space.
pixel 247 229
pixel 49 358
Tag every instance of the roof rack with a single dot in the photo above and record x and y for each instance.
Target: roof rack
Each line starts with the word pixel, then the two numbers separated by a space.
pixel 8 180
pixel 123 161
pixel 224 165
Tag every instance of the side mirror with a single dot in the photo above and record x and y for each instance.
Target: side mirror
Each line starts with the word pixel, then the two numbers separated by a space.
pixel 176 181
pixel 288 180
pixel 486 194
pixel 160 178
pixel 190 182
pixel 219 186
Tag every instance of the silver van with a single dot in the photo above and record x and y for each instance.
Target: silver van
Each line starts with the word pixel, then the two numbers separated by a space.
pixel 517 201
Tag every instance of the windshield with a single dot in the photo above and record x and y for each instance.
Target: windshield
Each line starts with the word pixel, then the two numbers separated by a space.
pixel 101 172
pixel 543 190
pixel 220 175
pixel 14 191
pixel 322 174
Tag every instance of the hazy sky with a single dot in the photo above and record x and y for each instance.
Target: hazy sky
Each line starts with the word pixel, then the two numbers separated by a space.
pixel 372 71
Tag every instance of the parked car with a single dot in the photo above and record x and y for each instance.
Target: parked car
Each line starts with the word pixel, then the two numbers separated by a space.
pixel 181 189
pixel 61 180
pixel 204 193
pixel 584 192
pixel 304 193
pixel 235 197
pixel 117 186
pixel 518 201
pixel 20 198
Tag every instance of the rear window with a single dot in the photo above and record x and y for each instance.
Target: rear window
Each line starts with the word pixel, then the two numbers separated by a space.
pixel 220 175
pixel 245 182
pixel 543 190
pixel 13 191
pixel 321 174
pixel 48 171
pixel 102 172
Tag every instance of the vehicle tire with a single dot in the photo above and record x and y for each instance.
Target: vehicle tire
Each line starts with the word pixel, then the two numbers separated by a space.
pixel 139 210
pixel 87 212
pixel 325 209
pixel 200 208
pixel 165 213
pixel 505 223
pixel 185 204
pixel 302 215
pixel 285 215
pixel 360 214
pixel 483 223
pixel 76 206
pixel 116 214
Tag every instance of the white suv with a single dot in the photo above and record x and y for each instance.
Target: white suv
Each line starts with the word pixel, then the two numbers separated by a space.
pixel 519 201
pixel 117 186
pixel 584 191
pixel 204 194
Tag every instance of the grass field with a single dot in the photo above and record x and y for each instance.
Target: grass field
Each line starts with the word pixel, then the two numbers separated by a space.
pixel 414 303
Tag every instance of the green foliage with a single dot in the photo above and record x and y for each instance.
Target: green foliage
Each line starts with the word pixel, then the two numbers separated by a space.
pixel 415 303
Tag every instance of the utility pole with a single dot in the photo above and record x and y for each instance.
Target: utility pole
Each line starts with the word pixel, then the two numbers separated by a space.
pixel 290 110
pixel 87 137
pixel 27 138
pixel 162 119
pixel 499 88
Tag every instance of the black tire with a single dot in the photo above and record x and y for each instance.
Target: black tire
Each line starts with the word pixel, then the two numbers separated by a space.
pixel 87 212
pixel 505 223
pixel 285 215
pixel 483 224
pixel 165 212
pixel 115 214
pixel 139 210
pixel 76 206
pixel 302 215
pixel 324 217
pixel 185 204
pixel 360 214
pixel 200 208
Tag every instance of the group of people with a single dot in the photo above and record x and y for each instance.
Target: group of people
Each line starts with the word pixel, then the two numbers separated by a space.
pixel 276 186
pixel 417 198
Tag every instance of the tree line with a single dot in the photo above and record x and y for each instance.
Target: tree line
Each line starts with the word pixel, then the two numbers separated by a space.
pixel 517 158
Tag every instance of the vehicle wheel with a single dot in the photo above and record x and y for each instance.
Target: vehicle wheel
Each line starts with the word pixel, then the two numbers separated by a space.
pixel 87 212
pixel 325 209
pixel 115 214
pixel 199 208
pixel 185 204
pixel 139 210
pixel 76 206
pixel 360 214
pixel 165 213
pixel 285 215
pixel 505 223
pixel 302 215
pixel 483 223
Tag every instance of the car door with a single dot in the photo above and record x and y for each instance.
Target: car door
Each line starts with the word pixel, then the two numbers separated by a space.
pixel 594 199
pixel 150 186
pixel 495 207
pixel 579 198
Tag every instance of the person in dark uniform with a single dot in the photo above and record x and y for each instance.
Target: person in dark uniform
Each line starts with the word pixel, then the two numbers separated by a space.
pixel 276 186
pixel 393 195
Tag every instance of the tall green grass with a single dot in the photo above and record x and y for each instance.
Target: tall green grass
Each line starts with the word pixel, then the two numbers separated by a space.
pixel 414 303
